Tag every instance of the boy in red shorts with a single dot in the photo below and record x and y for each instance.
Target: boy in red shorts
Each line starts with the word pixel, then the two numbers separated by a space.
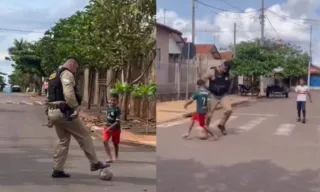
pixel 112 129
pixel 201 96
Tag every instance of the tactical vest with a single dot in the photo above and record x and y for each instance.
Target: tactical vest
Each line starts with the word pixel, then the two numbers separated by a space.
pixel 55 89
pixel 219 85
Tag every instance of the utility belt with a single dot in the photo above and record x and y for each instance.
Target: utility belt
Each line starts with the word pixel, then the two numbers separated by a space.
pixel 218 90
pixel 63 107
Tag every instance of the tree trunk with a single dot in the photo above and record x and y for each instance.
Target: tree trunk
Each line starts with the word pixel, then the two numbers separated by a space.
pixel 126 78
pixel 91 87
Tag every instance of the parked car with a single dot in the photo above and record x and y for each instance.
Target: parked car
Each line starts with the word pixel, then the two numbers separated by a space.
pixel 15 88
pixel 278 88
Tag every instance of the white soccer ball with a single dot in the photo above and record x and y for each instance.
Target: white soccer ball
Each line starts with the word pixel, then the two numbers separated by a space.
pixel 106 174
pixel 202 134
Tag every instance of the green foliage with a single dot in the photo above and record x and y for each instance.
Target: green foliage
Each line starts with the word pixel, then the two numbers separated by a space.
pixel 255 60
pixel 136 90
pixel 122 88
pixel 108 34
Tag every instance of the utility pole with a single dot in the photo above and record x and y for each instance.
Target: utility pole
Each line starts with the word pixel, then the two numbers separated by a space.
pixel 193 20
pixel 164 16
pixel 234 39
pixel 310 60
pixel 261 42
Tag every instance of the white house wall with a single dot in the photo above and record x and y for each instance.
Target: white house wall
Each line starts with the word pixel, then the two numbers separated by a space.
pixel 173 47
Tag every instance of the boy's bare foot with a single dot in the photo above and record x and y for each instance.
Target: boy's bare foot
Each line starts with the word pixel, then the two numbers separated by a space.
pixel 110 160
pixel 213 138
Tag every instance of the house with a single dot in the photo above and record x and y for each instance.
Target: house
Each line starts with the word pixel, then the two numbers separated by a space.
pixel 207 55
pixel 169 43
pixel 226 55
pixel 169 48
pixel 314 77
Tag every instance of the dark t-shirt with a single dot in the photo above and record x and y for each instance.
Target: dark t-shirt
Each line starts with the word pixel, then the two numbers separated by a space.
pixel 112 115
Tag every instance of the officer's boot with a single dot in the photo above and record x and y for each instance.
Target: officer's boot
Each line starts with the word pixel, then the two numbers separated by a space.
pixel 99 165
pixel 60 174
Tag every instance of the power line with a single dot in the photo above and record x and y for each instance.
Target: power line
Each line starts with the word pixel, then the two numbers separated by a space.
pixel 225 10
pixel 288 17
pixel 280 16
pixel 272 26
pixel 19 30
pixel 242 11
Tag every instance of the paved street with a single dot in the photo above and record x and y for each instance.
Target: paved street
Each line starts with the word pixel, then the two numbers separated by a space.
pixel 26 149
pixel 266 150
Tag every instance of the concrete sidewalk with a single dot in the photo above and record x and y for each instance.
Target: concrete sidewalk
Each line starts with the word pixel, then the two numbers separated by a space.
pixel 174 110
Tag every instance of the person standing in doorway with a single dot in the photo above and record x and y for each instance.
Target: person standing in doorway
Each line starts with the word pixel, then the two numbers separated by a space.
pixel 302 91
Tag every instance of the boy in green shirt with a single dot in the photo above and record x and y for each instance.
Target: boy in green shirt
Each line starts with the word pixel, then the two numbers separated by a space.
pixel 201 96
pixel 112 129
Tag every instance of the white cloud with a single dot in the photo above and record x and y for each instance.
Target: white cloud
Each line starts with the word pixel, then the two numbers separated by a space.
pixel 288 27
pixel 39 18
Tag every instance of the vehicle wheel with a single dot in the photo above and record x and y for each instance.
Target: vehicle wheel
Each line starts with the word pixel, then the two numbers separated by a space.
pixel 255 91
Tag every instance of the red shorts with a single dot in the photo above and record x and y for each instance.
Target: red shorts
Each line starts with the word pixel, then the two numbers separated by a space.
pixel 114 135
pixel 200 118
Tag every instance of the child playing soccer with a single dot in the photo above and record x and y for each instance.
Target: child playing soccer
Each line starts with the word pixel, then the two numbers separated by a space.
pixel 112 128
pixel 302 91
pixel 201 96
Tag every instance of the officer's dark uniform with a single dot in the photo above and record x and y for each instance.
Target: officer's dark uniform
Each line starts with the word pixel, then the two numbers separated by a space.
pixel 219 87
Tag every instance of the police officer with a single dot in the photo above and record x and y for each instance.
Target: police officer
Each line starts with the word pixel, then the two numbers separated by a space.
pixel 63 110
pixel 218 78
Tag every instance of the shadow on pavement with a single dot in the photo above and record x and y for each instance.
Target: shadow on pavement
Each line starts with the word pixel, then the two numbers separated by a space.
pixel 32 166
pixel 254 176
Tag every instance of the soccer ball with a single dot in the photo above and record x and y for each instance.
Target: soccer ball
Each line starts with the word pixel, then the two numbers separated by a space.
pixel 202 134
pixel 106 174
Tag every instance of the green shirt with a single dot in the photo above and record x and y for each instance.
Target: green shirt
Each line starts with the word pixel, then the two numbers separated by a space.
pixel 113 114
pixel 201 97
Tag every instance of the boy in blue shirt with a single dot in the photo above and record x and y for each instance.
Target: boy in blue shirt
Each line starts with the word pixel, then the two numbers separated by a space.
pixel 201 96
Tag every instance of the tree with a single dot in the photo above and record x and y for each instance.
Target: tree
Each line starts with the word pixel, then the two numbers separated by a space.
pixel 255 60
pixel 26 61
pixel 123 33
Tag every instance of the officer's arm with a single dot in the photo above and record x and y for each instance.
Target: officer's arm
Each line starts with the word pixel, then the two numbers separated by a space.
pixel 208 76
pixel 68 84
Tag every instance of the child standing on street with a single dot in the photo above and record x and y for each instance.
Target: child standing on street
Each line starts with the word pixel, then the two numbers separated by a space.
pixel 112 129
pixel 302 91
pixel 201 96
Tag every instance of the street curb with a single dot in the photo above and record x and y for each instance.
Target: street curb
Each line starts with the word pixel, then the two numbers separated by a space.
pixel 125 141
pixel 187 115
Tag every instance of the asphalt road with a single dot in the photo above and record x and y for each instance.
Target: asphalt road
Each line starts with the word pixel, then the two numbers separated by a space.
pixel 26 150
pixel 266 150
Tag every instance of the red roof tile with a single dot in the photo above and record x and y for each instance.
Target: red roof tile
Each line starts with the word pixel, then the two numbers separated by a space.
pixel 228 55
pixel 204 48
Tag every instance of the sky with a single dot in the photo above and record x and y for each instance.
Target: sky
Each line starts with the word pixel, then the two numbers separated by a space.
pixel 288 20
pixel 291 21
pixel 29 19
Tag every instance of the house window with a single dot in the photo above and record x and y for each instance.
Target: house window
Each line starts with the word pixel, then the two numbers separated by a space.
pixel 158 58
pixel 173 58
pixel 158 54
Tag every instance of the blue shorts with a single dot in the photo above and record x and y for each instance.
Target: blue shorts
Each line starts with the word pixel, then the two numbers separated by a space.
pixel 301 105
